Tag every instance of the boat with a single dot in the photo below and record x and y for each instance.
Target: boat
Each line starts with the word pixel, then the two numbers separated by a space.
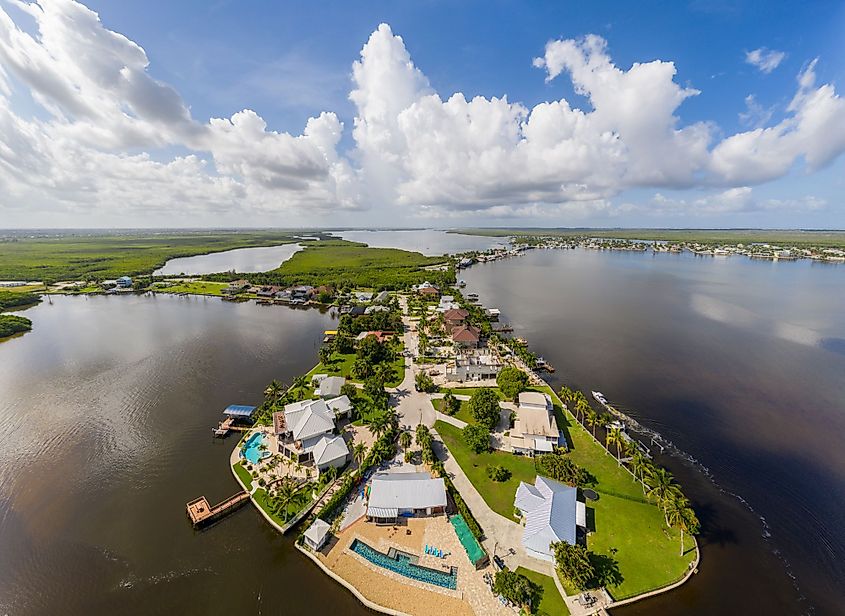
pixel 462 283
pixel 600 397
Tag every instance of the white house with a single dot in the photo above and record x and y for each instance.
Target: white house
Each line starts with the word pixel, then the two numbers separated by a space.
pixel 552 513
pixel 317 534
pixel 473 367
pixel 301 426
pixel 330 451
pixel 329 387
pixel 341 406
pixel 535 429
pixel 405 494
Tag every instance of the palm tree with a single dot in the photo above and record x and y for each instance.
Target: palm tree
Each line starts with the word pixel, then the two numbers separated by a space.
pixel 679 513
pixel 379 424
pixel 614 436
pixel 274 391
pixel 662 487
pixel 582 407
pixel 362 369
pixel 300 382
pixel 592 419
pixel 325 356
pixel 359 452
pixel 405 439
pixel 637 463
pixel 286 493
pixel 385 373
pixel 422 434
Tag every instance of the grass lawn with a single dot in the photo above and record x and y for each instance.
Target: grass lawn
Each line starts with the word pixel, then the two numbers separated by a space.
pixel 243 475
pixel 468 391
pixel 552 603
pixel 199 287
pixel 463 413
pixel 342 366
pixel 295 507
pixel 646 550
pixel 498 495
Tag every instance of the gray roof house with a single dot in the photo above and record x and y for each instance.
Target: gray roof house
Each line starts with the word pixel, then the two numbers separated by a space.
pixel 405 494
pixel 552 513
pixel 330 451
pixel 330 386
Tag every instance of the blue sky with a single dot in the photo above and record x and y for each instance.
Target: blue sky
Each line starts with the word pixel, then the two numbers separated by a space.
pixel 289 61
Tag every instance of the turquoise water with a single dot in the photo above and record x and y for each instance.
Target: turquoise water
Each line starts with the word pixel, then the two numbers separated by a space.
pixel 403 566
pixel 252 451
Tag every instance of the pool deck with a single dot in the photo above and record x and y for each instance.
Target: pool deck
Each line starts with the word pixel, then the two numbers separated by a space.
pixel 399 593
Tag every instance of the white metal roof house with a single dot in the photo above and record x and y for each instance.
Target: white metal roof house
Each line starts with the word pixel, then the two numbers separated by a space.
pixel 535 429
pixel 341 405
pixel 552 513
pixel 329 387
pixel 301 426
pixel 330 451
pixel 316 534
pixel 405 494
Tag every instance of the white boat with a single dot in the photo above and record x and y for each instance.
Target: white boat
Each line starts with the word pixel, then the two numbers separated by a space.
pixel 600 397
pixel 462 283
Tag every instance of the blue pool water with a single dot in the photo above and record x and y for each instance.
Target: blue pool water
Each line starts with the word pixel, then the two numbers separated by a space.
pixel 403 566
pixel 251 449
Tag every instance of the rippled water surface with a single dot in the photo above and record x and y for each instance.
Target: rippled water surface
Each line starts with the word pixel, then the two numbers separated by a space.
pixel 106 413
pixel 740 364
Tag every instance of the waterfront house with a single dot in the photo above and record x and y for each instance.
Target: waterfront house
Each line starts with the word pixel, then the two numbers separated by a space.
pixel 316 534
pixel 124 282
pixel 447 302
pixel 395 495
pixel 535 430
pixel 363 296
pixel 301 292
pixel 552 513
pixel 454 317
pixel 466 336
pixel 380 336
pixel 356 311
pixel 330 386
pixel 235 287
pixel 268 291
pixel 301 426
pixel 476 367
pixel 372 309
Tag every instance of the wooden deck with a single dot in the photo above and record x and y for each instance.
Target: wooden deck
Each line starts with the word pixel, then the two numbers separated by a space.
pixel 201 512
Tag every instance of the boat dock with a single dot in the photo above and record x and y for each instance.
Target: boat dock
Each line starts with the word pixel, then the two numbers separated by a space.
pixel 201 513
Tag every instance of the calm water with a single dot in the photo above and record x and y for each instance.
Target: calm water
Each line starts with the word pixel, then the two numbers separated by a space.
pixel 741 364
pixel 241 260
pixel 430 242
pixel 106 410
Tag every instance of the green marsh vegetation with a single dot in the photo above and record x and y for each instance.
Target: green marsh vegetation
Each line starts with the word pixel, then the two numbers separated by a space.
pixel 99 256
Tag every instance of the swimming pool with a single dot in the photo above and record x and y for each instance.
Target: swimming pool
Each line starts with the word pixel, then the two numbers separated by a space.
pixel 401 564
pixel 252 450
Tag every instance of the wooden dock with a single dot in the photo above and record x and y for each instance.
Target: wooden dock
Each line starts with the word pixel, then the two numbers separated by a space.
pixel 201 513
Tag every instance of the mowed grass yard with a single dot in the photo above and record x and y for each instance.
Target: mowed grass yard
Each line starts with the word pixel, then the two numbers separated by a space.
pixel 342 366
pixel 199 287
pixel 646 550
pixel 552 603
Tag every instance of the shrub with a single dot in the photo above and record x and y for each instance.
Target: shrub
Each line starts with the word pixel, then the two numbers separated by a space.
pixel 484 407
pixel 498 473
pixel 451 404
pixel 518 589
pixel 477 438
pixel 511 382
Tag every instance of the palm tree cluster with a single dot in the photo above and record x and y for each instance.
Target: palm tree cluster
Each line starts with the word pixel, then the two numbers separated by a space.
pixel 657 482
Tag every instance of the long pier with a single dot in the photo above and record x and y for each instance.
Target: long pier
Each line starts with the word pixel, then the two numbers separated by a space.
pixel 201 513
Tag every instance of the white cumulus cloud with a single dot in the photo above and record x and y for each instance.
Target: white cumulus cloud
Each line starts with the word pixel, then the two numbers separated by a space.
pixel 764 59
pixel 105 137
